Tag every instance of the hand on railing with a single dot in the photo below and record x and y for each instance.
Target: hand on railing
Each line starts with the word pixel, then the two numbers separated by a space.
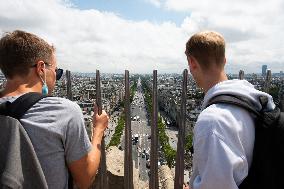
pixel 185 186
pixel 100 122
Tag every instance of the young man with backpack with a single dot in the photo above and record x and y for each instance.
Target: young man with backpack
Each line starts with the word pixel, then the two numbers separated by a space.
pixel 55 126
pixel 225 133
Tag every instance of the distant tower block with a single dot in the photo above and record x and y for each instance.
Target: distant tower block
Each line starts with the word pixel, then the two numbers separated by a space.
pixel 267 81
pixel 241 74
pixel 69 86
pixel 264 70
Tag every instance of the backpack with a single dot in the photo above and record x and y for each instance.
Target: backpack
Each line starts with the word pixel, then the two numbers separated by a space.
pixel 267 168
pixel 19 165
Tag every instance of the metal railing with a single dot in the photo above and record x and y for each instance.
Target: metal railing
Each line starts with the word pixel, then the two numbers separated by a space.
pixel 154 183
pixel 128 164
pixel 179 171
pixel 69 87
pixel 267 81
pixel 241 74
pixel 102 169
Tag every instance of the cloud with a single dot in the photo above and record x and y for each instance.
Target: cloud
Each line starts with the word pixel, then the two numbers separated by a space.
pixel 87 40
pixel 156 3
pixel 253 29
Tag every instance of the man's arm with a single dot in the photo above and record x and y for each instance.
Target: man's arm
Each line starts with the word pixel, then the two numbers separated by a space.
pixel 84 170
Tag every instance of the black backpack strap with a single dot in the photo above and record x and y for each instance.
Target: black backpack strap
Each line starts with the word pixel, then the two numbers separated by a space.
pixel 22 104
pixel 234 100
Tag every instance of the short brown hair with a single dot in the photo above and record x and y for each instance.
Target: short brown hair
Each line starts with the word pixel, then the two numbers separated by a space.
pixel 206 47
pixel 19 50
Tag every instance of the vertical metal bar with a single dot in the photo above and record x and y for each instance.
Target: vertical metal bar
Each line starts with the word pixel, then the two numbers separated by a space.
pixel 69 86
pixel 281 96
pixel 179 171
pixel 128 164
pixel 281 103
pixel 102 169
pixel 69 96
pixel 241 75
pixel 154 184
pixel 267 81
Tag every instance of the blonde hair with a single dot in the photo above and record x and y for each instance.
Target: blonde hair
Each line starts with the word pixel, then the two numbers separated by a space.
pixel 207 48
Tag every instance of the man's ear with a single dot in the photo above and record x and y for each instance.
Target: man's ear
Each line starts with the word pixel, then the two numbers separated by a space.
pixel 40 68
pixel 193 63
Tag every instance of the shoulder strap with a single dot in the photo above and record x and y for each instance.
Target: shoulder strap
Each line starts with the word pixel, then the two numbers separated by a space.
pixel 22 104
pixel 234 100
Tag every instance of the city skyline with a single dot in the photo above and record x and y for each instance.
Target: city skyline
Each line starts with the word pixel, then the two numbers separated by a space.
pixel 143 35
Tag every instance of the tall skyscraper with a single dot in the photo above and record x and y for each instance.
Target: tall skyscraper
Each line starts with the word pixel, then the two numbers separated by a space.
pixel 264 68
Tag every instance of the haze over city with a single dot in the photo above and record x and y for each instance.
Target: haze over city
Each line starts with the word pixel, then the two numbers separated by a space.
pixel 142 35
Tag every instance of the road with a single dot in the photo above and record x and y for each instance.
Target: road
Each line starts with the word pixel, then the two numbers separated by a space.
pixel 141 128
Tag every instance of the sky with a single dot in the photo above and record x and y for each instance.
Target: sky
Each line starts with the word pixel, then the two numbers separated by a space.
pixel 143 35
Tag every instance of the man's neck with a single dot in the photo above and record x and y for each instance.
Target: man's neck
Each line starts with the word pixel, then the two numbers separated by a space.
pixel 212 79
pixel 19 86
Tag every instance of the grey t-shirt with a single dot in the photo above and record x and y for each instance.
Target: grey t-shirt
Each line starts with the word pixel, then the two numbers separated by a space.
pixel 57 131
